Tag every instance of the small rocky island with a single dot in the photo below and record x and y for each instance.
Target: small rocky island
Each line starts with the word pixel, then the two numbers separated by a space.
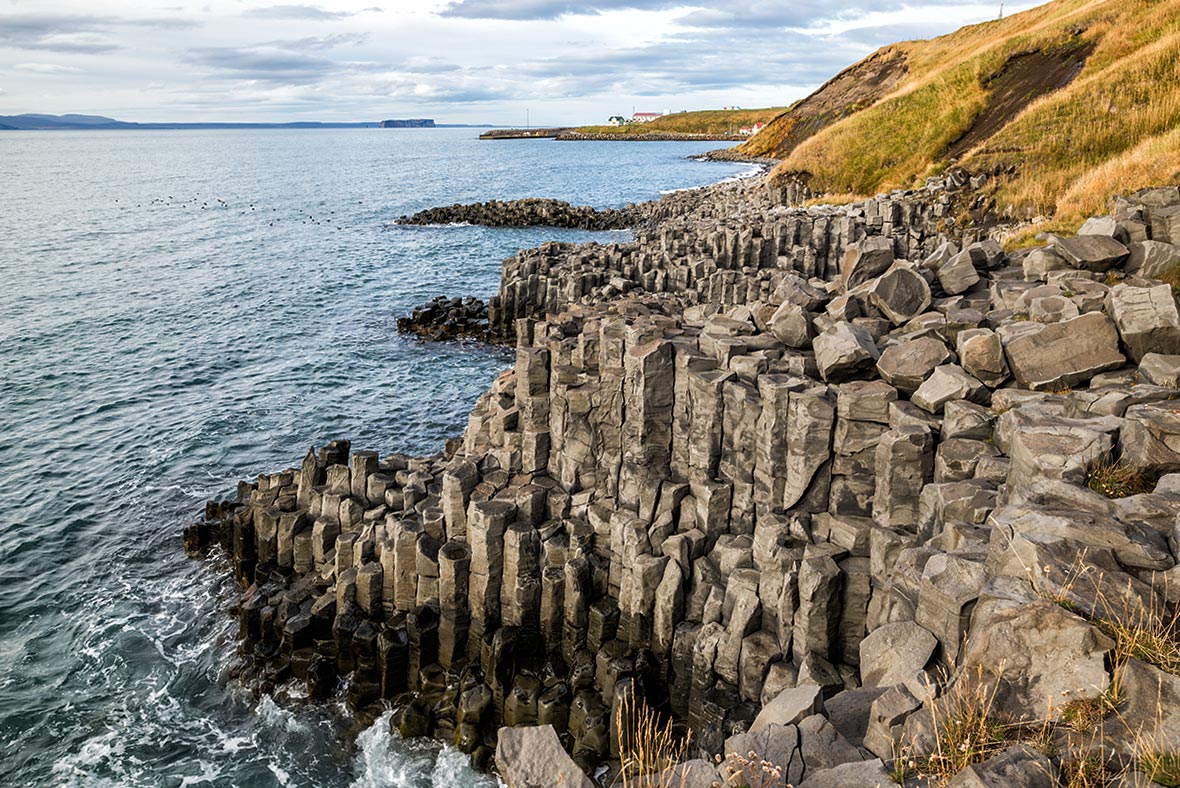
pixel 841 496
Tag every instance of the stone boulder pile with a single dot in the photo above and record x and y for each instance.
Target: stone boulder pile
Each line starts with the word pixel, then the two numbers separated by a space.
pixel 800 503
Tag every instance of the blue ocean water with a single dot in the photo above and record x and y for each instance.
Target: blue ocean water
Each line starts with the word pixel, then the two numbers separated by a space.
pixel 179 310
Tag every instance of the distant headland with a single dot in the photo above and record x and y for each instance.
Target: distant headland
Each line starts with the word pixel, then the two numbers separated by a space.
pixel 40 122
pixel 413 123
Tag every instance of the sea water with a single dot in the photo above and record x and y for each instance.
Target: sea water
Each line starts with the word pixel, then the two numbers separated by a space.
pixel 182 309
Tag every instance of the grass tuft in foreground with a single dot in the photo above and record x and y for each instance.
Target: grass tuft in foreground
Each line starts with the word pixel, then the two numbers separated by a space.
pixel 648 747
pixel 1116 479
pixel 1161 767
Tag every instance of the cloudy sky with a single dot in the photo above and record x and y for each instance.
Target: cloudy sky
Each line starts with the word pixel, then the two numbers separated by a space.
pixel 459 61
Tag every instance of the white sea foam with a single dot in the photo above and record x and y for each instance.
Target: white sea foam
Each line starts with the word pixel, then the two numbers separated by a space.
pixel 209 774
pixel 275 716
pixel 280 774
pixel 102 752
pixel 385 760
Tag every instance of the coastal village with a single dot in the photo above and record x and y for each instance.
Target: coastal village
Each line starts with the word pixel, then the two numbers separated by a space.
pixel 617 121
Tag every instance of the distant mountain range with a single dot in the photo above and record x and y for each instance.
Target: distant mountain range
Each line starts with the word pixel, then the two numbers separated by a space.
pixel 38 122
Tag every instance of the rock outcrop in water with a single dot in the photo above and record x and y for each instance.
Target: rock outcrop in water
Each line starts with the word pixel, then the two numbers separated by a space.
pixel 448 318
pixel 531 212
pixel 800 480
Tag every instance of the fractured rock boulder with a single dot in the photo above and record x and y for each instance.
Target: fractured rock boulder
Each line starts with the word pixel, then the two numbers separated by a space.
pixel 1092 252
pixel 844 352
pixel 865 260
pixel 1147 319
pixel 1064 354
pixel 901 294
pixel 906 365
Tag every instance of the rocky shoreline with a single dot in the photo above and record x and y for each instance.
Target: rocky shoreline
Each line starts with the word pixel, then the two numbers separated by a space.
pixel 798 481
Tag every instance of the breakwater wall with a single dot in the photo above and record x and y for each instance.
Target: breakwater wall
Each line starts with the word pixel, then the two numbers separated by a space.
pixel 796 516
pixel 523 134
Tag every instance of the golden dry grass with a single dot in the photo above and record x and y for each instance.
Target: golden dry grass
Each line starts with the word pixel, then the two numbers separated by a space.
pixel 648 747
pixel 1151 162
pixel 1115 128
pixel 1115 479
pixel 1161 767
pixel 1171 277
pixel 967 730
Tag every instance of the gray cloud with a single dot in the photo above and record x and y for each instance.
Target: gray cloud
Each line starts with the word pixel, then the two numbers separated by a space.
pixel 698 54
pixel 73 33
pixel 284 61
pixel 295 12
pixel 46 68
pixel 545 9
pixel 727 14
pixel 318 43
pixel 429 65
pixel 53 32
pixel 702 61
pixel 802 14
pixel 269 64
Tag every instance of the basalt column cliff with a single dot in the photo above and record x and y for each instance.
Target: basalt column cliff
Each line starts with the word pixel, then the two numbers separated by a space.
pixel 793 477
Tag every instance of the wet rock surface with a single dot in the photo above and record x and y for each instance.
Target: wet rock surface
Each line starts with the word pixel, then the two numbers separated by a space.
pixel 443 319
pixel 749 470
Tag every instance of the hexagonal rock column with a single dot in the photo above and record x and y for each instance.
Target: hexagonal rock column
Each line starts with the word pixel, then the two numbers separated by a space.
pixel 489 520
pixel 811 416
pixel 647 428
pixel 905 463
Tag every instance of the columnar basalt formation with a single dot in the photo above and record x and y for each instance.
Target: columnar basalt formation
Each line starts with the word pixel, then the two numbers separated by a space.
pixel 793 484
pixel 734 248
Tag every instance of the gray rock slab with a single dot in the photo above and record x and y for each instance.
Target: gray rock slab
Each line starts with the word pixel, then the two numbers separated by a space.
pixel 866 259
pixel 1092 252
pixel 1147 319
pixel 906 365
pixel 892 653
pixel 532 757
pixel 791 706
pixel 866 774
pixel 1160 370
pixel 844 351
pixel 1064 354
pixel 1016 767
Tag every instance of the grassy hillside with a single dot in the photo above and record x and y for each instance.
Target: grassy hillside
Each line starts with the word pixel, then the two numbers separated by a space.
pixel 1065 104
pixel 712 121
